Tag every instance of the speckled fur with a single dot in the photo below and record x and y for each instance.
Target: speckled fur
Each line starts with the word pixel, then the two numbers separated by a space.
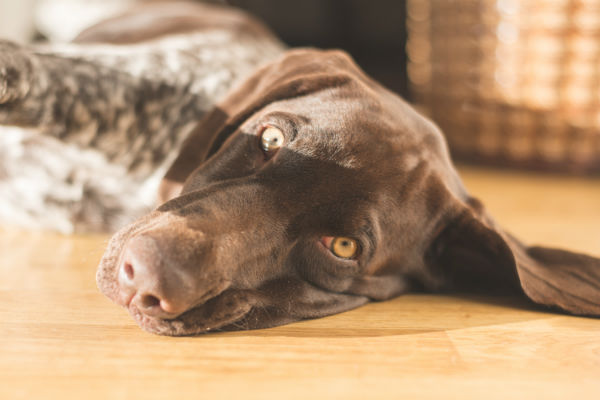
pixel 88 130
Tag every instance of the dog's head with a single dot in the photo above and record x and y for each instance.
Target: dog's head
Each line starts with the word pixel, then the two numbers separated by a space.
pixel 311 190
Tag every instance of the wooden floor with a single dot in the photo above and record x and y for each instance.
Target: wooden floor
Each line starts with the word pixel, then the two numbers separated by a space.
pixel 60 338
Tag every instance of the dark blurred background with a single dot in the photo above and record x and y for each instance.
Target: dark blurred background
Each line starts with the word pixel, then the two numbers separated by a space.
pixel 372 31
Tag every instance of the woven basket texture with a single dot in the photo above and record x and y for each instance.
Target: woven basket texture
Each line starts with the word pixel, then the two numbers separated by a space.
pixel 510 82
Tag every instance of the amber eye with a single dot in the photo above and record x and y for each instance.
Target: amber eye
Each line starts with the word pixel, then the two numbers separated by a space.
pixel 344 247
pixel 271 138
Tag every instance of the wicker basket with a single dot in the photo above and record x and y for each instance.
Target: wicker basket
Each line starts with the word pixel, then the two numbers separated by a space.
pixel 510 82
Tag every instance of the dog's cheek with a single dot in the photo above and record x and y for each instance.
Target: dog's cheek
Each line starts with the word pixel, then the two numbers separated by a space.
pixel 314 265
pixel 380 287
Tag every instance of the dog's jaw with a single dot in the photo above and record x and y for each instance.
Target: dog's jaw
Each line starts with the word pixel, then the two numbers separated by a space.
pixel 221 311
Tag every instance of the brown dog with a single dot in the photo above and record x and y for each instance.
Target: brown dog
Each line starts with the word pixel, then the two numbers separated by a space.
pixel 307 191
pixel 311 190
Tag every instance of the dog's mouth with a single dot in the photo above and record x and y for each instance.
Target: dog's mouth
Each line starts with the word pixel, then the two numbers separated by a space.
pixel 220 312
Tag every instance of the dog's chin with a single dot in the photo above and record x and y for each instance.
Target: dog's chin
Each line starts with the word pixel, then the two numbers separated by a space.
pixel 219 313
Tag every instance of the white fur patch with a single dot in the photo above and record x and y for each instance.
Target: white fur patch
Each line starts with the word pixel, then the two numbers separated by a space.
pixel 47 184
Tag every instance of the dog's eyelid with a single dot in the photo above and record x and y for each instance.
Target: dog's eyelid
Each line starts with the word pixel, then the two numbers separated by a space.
pixel 287 123
pixel 367 242
pixel 369 238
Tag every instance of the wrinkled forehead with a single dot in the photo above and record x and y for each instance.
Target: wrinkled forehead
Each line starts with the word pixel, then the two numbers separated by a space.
pixel 353 126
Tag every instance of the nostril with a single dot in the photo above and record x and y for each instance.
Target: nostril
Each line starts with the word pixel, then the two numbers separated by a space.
pixel 149 301
pixel 128 269
pixel 126 274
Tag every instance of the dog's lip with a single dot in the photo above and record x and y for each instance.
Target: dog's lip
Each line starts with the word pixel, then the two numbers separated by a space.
pixel 186 325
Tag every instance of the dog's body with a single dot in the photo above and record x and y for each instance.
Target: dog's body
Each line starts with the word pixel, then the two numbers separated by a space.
pixel 306 191
pixel 85 145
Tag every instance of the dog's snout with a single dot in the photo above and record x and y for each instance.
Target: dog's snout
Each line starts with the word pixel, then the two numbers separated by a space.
pixel 149 281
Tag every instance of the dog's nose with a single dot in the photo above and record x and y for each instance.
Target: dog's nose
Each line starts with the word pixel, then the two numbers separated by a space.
pixel 148 281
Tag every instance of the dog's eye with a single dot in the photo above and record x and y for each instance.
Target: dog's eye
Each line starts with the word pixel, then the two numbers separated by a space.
pixel 342 247
pixel 271 138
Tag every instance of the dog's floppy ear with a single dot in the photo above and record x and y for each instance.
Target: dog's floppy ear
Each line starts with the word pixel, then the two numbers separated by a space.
pixel 296 73
pixel 472 253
